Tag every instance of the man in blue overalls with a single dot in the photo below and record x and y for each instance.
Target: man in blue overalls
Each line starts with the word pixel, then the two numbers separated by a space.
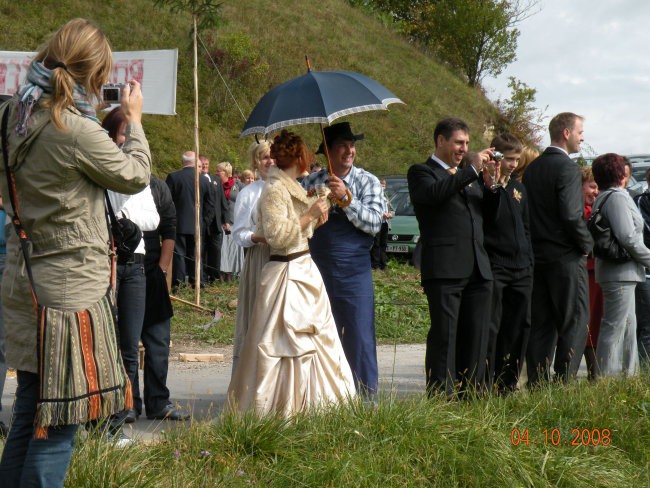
pixel 341 250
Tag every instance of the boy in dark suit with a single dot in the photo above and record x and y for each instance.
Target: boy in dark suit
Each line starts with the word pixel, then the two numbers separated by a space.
pixel 507 242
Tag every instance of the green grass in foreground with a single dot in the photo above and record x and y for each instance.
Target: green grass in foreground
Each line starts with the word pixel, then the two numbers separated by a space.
pixel 401 311
pixel 401 442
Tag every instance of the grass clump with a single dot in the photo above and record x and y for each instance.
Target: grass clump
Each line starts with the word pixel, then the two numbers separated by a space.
pixel 401 310
pixel 401 442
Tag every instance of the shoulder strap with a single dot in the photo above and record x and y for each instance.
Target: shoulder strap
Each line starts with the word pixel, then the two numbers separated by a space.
pixel 602 204
pixel 111 214
pixel 111 223
pixel 15 219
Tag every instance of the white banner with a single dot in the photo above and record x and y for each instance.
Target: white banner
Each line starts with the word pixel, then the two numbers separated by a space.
pixel 155 70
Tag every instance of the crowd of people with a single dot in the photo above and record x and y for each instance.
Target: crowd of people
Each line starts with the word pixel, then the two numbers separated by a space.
pixel 225 231
pixel 506 263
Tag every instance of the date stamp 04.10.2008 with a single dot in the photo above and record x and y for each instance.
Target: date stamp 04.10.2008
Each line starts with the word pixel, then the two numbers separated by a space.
pixel 556 437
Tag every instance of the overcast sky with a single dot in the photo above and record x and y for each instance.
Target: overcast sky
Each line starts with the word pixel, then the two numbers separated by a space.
pixel 591 57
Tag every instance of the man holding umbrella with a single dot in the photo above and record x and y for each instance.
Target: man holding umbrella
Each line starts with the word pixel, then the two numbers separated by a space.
pixel 341 250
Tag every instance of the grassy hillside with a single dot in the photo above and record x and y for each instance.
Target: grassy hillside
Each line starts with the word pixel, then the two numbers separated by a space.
pixel 259 46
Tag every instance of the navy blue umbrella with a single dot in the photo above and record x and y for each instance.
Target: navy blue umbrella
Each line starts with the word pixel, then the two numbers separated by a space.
pixel 316 97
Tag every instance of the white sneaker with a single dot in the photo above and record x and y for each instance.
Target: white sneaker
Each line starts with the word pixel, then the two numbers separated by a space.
pixel 119 439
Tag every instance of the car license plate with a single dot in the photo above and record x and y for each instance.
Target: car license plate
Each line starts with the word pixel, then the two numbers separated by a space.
pixel 396 248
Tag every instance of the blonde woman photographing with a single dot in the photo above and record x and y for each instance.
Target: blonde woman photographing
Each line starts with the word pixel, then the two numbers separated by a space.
pixel 62 161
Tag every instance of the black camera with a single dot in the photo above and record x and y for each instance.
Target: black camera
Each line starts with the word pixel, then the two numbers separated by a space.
pixel 112 93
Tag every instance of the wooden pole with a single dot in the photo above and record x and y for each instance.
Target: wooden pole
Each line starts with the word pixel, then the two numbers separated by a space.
pixel 197 173
pixel 191 304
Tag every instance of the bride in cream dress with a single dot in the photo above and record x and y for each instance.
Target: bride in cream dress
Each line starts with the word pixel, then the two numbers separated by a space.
pixel 292 358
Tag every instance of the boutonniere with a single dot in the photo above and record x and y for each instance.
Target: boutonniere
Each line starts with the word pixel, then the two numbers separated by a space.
pixel 516 194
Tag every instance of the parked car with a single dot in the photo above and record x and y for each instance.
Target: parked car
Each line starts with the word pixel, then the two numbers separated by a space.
pixel 640 166
pixel 403 231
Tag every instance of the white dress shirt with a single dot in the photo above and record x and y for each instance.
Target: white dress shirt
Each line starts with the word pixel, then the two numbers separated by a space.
pixel 245 220
pixel 139 208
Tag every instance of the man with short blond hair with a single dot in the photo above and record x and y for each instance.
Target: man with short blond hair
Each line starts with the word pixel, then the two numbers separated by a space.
pixel 561 242
pixel 205 167
pixel 211 251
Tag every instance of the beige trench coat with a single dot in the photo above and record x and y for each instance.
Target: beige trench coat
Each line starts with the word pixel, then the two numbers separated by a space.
pixel 60 179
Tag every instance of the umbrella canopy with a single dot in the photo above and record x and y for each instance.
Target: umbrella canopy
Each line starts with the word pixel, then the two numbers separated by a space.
pixel 316 97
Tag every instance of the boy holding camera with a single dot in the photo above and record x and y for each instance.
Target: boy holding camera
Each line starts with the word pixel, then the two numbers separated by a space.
pixel 507 242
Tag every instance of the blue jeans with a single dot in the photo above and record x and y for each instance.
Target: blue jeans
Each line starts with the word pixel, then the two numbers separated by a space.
pixel 131 294
pixel 155 338
pixel 28 462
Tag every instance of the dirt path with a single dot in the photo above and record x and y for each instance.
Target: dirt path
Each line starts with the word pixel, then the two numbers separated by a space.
pixel 201 387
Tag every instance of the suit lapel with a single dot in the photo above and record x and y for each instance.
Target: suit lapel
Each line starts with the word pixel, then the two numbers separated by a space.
pixel 438 170
pixel 439 173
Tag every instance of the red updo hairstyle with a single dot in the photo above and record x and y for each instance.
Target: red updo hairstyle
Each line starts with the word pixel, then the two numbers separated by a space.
pixel 609 170
pixel 289 150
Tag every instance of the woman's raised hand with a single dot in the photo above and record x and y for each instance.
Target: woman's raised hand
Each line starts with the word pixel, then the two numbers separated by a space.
pixel 132 101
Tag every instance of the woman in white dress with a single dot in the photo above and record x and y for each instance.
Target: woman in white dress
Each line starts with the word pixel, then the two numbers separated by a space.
pixel 292 358
pixel 255 248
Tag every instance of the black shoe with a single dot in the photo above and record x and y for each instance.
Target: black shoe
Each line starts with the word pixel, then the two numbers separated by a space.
pixel 4 430
pixel 169 413
pixel 131 416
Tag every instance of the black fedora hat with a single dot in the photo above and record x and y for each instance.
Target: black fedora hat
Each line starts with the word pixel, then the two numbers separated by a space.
pixel 342 130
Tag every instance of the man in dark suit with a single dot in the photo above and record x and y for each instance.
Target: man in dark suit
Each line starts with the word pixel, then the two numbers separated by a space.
pixel 561 241
pixel 181 185
pixel 455 268
pixel 211 256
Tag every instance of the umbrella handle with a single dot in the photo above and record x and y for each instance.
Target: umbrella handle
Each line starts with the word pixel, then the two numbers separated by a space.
pixel 327 152
pixel 340 203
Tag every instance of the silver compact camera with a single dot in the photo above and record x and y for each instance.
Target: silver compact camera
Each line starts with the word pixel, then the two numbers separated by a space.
pixel 112 92
pixel 498 156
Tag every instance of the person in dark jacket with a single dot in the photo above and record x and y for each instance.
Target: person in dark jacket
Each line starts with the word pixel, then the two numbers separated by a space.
pixel 213 231
pixel 159 248
pixel 456 273
pixel 507 242
pixel 590 192
pixel 561 243
pixel 181 184
pixel 642 293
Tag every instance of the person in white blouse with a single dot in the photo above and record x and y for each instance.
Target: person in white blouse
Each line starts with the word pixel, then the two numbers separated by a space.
pixel 131 281
pixel 255 247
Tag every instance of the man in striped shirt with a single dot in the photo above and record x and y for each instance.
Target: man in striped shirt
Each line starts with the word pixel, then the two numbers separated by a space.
pixel 341 250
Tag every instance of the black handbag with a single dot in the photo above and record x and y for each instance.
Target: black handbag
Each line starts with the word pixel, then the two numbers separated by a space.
pixel 605 244
pixel 126 233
